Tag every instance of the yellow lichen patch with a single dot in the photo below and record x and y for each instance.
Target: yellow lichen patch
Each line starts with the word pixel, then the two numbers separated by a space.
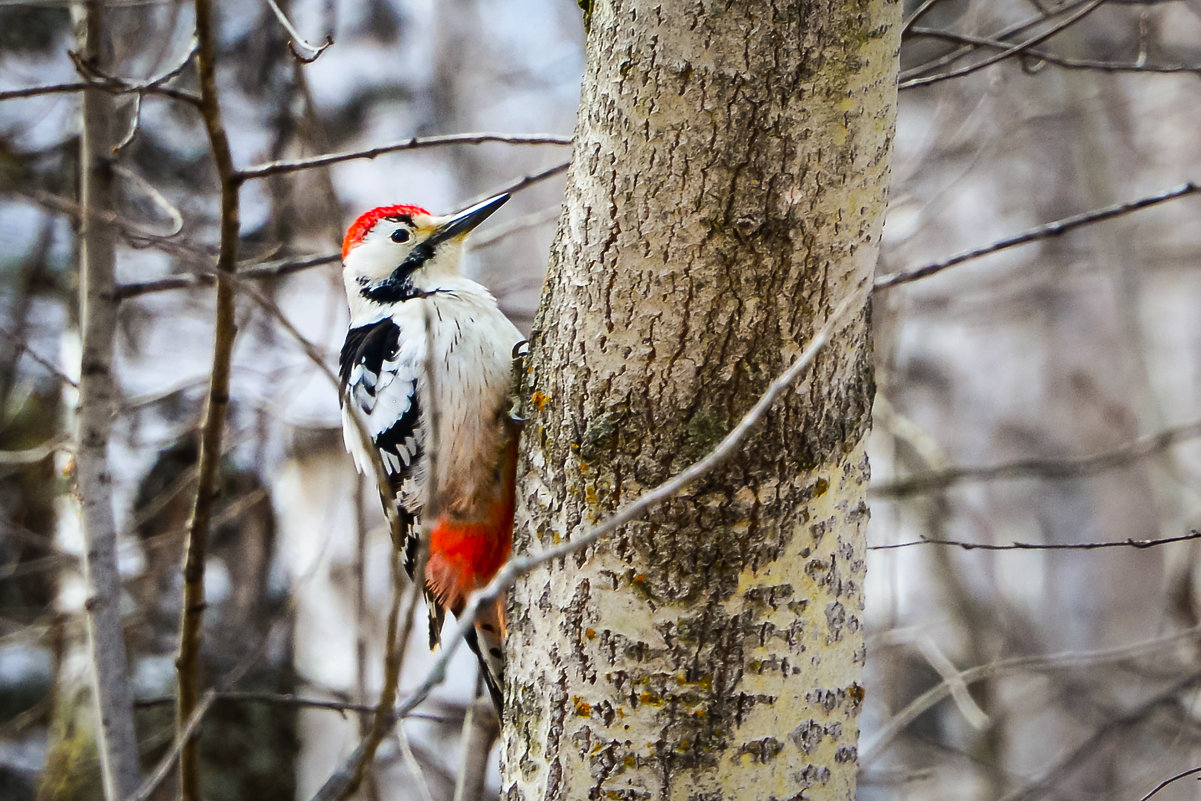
pixel 539 400
pixel 582 707
pixel 590 633
pixel 651 699
pixel 820 488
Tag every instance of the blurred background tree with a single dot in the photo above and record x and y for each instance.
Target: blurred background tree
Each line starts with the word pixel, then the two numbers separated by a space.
pixel 1044 393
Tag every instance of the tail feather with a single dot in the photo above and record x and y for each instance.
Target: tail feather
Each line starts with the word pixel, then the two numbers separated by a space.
pixel 485 639
pixel 437 616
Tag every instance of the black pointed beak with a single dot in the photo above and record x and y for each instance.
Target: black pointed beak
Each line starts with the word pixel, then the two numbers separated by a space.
pixel 468 218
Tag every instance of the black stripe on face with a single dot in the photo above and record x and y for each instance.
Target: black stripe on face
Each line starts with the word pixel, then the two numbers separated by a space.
pixel 398 287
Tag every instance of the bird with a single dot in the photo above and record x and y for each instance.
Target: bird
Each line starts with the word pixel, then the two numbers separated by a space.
pixel 426 368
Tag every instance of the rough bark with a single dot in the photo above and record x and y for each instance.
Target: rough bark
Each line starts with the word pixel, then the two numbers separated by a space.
pixel 727 192
pixel 117 745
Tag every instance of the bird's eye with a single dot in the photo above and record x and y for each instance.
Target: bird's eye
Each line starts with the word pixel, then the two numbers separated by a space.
pixel 400 235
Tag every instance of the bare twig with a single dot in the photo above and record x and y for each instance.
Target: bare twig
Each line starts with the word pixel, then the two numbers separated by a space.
pixel 1011 50
pixel 899 722
pixel 1045 231
pixel 135 122
pixel 184 736
pixel 33 455
pixel 285 699
pixel 94 75
pixel 481 727
pixel 1057 60
pixel 158 199
pixel 917 14
pixel 1052 469
pixel 1112 727
pixel 297 39
pixel 273 270
pixel 1036 546
pixel 117 741
pixel 1182 775
pixel 187 667
pixel 523 182
pixel 381 723
pixel 412 143
pixel 413 765
pixel 336 784
pixel 39 91
pixel 23 348
pixel 499 232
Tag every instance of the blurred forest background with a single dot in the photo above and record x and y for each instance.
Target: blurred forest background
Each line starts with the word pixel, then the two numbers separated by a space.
pixel 1045 394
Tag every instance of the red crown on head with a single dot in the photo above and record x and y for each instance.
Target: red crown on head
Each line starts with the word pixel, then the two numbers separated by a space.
pixel 367 221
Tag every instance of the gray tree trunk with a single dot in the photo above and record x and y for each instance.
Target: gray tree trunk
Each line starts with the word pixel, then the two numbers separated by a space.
pixel 727 192
pixel 118 745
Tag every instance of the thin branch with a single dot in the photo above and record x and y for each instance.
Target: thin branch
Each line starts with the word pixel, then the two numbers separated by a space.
pixel 297 39
pixel 393 649
pixel 130 230
pixel 1010 51
pixel 1002 35
pixel 286 699
pixel 158 199
pixel 917 14
pixel 135 122
pixel 113 87
pixel 412 143
pixel 35 454
pixel 1057 60
pixel 1045 231
pixel 336 784
pixel 1066 659
pixel 23 348
pixel 39 91
pixel 523 183
pixel 1049 469
pixel 480 730
pixel 93 75
pixel 1182 775
pixel 182 738
pixel 1130 542
pixel 187 281
pixel 499 232
pixel 117 740
pixel 1091 745
pixel 187 662
pixel 413 765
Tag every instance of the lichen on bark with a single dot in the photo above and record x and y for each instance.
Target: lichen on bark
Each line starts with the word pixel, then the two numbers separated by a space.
pixel 726 193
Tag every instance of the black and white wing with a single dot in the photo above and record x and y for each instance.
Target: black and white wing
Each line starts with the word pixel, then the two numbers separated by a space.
pixel 379 373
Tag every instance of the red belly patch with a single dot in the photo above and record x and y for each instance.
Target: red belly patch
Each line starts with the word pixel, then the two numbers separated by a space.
pixel 465 556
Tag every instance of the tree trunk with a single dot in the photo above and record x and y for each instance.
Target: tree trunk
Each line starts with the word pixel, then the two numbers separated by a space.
pixel 727 192
pixel 118 745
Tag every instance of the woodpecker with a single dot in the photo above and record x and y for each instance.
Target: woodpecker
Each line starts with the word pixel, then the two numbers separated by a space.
pixel 426 368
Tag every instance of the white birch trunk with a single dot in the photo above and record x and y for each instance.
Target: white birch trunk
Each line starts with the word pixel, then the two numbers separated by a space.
pixel 118 745
pixel 727 192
